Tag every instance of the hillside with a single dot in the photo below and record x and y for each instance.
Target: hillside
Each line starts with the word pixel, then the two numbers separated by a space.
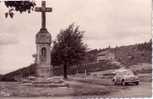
pixel 134 54
pixel 1 76
pixel 20 73
pixel 126 55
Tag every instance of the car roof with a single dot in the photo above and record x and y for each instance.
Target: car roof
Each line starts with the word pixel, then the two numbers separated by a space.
pixel 123 70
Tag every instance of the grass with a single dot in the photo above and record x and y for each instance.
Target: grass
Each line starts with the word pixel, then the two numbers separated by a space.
pixel 141 68
pixel 89 90
pixel 75 89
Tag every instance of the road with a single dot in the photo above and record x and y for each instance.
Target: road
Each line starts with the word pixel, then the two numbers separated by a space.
pixel 142 90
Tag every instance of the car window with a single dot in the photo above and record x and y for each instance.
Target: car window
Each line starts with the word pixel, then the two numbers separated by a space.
pixel 129 73
pixel 125 73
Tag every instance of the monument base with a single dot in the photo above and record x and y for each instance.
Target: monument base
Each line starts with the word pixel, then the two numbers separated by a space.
pixel 46 82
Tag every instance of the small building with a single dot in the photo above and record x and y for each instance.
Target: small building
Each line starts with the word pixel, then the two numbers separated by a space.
pixel 105 55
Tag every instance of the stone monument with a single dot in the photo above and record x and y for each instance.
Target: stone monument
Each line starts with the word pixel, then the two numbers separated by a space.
pixel 43 41
pixel 44 69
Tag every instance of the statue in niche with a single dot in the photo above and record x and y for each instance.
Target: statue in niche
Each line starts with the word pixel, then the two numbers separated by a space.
pixel 43 54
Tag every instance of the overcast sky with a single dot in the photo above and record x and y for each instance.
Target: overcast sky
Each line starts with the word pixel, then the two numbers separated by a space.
pixel 106 22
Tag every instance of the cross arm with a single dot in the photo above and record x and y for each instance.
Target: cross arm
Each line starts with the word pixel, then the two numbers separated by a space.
pixel 40 9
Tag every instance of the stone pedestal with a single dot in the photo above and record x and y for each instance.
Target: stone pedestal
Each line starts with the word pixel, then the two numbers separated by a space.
pixel 43 57
pixel 46 82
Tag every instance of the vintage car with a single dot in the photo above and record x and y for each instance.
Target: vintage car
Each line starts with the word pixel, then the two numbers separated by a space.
pixel 125 77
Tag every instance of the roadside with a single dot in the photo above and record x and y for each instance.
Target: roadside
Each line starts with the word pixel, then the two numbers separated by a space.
pixel 144 89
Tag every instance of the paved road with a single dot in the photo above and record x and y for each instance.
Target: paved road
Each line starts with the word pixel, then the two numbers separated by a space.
pixel 142 90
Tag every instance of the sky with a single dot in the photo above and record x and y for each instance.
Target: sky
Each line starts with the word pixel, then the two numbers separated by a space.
pixel 105 22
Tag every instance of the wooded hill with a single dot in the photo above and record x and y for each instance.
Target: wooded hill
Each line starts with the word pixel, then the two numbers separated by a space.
pixel 127 55
pixel 134 54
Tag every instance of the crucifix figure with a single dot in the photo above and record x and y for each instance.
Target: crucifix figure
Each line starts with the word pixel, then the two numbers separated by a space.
pixel 43 9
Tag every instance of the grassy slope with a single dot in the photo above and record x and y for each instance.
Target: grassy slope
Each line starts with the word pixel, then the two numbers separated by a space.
pixel 20 73
pixel 132 55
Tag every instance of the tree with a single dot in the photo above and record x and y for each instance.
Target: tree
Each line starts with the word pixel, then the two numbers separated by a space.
pixel 21 6
pixel 69 48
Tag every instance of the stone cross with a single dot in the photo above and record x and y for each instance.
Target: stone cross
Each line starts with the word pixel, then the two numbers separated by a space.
pixel 43 9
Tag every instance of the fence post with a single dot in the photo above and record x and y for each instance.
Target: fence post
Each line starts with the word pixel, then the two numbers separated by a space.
pixel 85 71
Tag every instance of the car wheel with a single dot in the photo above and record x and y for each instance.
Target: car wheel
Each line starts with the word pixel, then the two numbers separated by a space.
pixel 137 83
pixel 115 83
pixel 123 83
